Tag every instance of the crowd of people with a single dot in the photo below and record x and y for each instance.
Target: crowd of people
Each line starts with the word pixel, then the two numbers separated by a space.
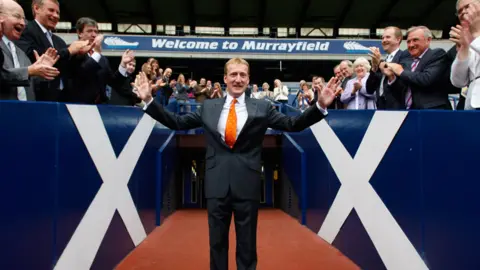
pixel 38 65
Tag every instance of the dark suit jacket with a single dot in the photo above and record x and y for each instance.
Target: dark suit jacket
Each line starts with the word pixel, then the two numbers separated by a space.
pixel 122 93
pixel 426 82
pixel 240 167
pixel 389 100
pixel 32 39
pixel 88 80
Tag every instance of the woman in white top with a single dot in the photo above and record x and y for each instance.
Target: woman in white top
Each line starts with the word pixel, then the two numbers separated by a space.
pixel 280 92
pixel 255 93
pixel 466 67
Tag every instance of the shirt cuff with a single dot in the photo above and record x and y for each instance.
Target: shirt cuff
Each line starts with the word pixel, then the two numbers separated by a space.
pixel 122 70
pixel 147 103
pixel 96 56
pixel 391 82
pixel 323 111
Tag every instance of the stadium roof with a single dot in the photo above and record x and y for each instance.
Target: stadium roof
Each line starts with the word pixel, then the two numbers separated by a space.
pixel 336 14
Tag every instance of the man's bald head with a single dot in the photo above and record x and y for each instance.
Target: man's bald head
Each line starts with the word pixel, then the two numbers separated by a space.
pixel 10 4
pixel 13 19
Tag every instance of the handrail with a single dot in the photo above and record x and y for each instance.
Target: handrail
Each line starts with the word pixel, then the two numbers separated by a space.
pixel 303 179
pixel 159 197
pixel 293 108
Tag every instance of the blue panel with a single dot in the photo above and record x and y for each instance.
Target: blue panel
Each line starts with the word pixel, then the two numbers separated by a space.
pixel 291 158
pixel 318 189
pixel 238 45
pixel 143 182
pixel 354 242
pixel 350 128
pixel 115 245
pixel 119 122
pixel 27 188
pixel 394 182
pixel 166 167
pixel 79 180
pixel 451 187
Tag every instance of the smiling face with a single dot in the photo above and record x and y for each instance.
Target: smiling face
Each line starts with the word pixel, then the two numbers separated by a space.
pixel 390 40
pixel 237 76
pixel 417 42
pixel 47 13
pixel 360 70
pixel 13 20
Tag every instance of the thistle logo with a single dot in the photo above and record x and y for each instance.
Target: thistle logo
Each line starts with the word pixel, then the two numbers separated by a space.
pixel 118 43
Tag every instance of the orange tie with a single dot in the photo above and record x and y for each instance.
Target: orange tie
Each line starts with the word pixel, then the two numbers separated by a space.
pixel 231 127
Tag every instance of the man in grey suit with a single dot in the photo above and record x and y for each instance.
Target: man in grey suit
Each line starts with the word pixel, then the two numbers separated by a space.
pixel 234 129
pixel 16 63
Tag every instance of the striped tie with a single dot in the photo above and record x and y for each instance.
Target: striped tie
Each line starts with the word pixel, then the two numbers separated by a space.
pixel 408 96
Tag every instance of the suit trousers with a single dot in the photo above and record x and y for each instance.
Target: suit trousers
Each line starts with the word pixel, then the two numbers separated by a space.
pixel 245 213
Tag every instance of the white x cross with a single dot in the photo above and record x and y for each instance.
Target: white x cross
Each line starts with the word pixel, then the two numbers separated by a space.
pixel 113 194
pixel 393 246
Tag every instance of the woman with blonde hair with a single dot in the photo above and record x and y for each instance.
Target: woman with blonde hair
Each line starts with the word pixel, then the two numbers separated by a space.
pixel 355 95
pixel 217 91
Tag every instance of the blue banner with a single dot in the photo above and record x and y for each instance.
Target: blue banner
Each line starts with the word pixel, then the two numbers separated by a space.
pixel 239 45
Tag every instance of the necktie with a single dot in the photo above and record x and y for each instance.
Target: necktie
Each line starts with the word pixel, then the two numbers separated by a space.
pixel 408 96
pixel 50 39
pixel 388 60
pixel 21 93
pixel 231 127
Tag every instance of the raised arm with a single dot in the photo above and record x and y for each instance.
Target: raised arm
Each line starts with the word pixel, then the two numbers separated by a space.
pixel 171 120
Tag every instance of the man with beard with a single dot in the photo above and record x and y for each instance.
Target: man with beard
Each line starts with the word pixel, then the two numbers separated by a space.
pixel 234 128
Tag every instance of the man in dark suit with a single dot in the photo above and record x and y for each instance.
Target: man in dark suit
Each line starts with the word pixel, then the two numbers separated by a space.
pixel 376 82
pixel 38 36
pixel 90 73
pixel 122 93
pixel 419 78
pixel 16 61
pixel 234 129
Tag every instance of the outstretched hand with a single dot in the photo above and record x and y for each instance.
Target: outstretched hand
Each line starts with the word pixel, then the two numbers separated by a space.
pixel 327 94
pixel 142 87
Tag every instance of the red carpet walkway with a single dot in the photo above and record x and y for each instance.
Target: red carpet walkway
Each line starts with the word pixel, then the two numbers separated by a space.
pixel 182 243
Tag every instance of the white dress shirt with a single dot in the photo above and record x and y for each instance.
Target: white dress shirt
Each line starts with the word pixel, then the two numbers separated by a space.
pixel 21 92
pixel 388 59
pixel 467 73
pixel 240 109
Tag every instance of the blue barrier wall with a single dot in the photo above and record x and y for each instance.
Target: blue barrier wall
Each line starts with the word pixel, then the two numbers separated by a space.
pixel 410 178
pixel 166 167
pixel 294 165
pixel 55 203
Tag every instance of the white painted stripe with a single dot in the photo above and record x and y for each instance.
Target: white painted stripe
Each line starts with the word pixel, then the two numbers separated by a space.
pixel 393 246
pixel 113 194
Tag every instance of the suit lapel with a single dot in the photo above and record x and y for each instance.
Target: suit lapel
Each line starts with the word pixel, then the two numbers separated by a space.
pixel 7 53
pixel 42 35
pixel 216 108
pixel 251 106
pixel 424 60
